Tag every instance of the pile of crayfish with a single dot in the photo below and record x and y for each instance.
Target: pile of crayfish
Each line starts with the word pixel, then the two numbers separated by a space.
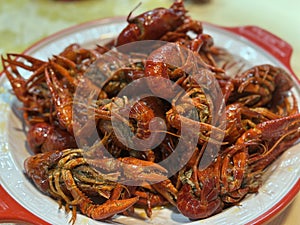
pixel 100 174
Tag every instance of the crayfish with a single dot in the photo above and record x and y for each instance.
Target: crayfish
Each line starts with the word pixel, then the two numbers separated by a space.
pixel 74 177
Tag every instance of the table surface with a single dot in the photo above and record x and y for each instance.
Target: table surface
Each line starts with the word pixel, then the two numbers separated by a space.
pixel 24 22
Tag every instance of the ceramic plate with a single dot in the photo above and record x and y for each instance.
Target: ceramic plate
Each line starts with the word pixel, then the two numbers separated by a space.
pixel 252 44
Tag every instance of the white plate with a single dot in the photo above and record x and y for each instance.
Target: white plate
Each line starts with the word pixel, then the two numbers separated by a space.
pixel 282 178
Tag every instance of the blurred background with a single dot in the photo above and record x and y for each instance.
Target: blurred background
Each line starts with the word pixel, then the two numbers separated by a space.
pixel 23 22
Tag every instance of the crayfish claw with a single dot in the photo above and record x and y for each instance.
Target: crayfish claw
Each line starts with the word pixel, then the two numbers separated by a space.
pixel 142 163
pixel 150 177
pixel 140 170
pixel 167 189
pixel 110 208
pixel 35 63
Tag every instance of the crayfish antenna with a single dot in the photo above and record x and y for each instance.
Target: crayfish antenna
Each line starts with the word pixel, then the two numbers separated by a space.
pixel 135 8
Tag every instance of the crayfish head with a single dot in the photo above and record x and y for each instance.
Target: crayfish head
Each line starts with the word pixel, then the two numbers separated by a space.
pixel 37 168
